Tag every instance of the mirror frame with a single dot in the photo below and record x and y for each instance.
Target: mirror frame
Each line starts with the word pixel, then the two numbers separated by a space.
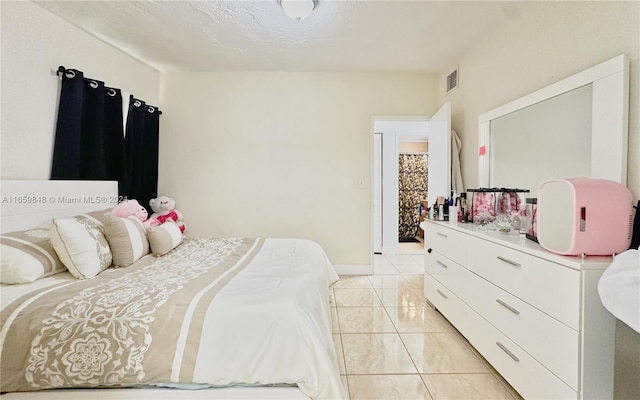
pixel 609 118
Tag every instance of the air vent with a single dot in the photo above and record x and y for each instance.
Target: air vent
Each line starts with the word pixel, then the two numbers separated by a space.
pixel 630 236
pixel 452 81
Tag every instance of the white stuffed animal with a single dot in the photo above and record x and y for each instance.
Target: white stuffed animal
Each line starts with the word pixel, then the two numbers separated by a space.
pixel 164 209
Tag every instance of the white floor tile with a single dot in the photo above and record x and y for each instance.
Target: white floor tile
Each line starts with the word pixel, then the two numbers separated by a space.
pixel 419 258
pixel 353 282
pixel 401 258
pixel 357 298
pixel 371 309
pixel 385 269
pixel 412 268
pixel 380 259
pixel 385 281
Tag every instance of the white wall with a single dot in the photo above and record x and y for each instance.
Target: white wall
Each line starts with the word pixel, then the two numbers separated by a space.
pixel 280 154
pixel 544 43
pixel 35 42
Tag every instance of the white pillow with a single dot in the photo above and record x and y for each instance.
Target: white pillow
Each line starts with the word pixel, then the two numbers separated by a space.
pixel 81 246
pixel 164 238
pixel 27 255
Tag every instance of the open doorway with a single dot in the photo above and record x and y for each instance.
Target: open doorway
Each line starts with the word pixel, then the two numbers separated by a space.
pixel 394 137
pixel 388 133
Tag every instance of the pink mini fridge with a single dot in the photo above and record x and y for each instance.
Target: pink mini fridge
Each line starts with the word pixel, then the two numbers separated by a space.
pixel 584 216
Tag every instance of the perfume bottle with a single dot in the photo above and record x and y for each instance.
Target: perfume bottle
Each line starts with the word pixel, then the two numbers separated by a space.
pixel 463 207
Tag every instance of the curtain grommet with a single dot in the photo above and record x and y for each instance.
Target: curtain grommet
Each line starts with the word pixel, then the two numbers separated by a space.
pixel 70 74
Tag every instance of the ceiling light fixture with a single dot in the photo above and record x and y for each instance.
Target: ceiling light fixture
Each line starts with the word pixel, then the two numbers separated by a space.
pixel 298 9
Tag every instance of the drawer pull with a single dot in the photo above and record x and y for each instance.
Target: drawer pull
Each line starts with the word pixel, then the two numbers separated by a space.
pixel 441 234
pixel 441 294
pixel 515 264
pixel 510 354
pixel 443 265
pixel 508 307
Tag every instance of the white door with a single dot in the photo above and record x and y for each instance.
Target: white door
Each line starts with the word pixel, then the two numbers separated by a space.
pixel 440 154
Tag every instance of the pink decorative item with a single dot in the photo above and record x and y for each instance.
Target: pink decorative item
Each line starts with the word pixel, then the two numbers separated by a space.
pixel 133 207
pixel 483 207
pixel 584 216
pixel 510 203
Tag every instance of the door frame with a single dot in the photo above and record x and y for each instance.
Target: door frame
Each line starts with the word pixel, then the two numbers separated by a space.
pixel 394 129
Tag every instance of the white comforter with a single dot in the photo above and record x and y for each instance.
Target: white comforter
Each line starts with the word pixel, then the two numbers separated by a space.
pixel 274 303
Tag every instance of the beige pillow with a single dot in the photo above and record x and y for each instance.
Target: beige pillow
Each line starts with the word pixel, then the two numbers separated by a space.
pixel 99 216
pixel 127 239
pixel 164 238
pixel 80 245
pixel 27 255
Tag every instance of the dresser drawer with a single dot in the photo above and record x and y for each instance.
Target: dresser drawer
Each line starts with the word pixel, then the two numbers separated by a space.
pixel 523 372
pixel 446 241
pixel 550 287
pixel 435 292
pixel 445 270
pixel 528 327
pixel 449 305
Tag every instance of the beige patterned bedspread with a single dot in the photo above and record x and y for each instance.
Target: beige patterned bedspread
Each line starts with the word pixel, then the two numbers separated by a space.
pixel 140 325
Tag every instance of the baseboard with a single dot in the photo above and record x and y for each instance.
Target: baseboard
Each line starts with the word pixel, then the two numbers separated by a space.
pixel 354 269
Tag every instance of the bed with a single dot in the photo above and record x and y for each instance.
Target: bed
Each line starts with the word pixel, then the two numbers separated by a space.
pixel 213 318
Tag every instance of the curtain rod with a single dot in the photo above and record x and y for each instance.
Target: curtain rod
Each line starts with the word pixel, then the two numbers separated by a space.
pixel 61 70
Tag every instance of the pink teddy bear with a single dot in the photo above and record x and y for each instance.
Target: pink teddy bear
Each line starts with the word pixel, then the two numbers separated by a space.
pixel 133 207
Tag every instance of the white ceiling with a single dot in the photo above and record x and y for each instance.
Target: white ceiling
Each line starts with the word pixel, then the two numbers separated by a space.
pixel 362 35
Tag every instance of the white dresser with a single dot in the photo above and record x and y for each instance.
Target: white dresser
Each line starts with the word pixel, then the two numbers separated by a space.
pixel 534 315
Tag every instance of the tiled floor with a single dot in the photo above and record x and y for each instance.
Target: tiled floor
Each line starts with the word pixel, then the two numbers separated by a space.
pixel 392 344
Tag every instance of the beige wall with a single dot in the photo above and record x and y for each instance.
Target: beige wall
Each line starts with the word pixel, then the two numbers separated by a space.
pixel 280 154
pixel 34 43
pixel 544 43
pixel 547 42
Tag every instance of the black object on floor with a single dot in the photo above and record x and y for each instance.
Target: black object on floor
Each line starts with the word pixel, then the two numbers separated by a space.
pixel 408 240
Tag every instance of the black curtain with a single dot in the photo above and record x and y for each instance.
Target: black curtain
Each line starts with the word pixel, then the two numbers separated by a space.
pixel 88 130
pixel 92 144
pixel 141 152
pixel 114 137
pixel 150 158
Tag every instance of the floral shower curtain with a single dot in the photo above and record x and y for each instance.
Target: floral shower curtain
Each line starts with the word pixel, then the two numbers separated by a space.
pixel 412 186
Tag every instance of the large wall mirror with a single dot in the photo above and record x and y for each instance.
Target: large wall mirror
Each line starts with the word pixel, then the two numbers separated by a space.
pixel 575 127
